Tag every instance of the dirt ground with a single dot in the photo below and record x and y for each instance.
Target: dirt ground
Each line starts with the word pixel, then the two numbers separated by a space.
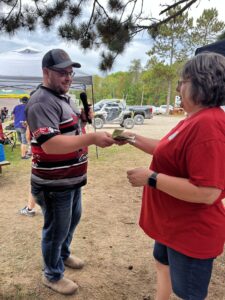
pixel 118 255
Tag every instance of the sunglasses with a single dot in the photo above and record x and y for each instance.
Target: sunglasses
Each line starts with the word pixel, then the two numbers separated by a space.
pixel 63 73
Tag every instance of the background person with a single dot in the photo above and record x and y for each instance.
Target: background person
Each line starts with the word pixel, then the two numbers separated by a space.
pixel 182 206
pixel 59 165
pixel 4 113
pixel 19 118
pixel 29 209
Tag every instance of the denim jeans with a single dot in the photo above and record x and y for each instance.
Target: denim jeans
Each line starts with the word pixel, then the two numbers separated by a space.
pixel 190 276
pixel 62 212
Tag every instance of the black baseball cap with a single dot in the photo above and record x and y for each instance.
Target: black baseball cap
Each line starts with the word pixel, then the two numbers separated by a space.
pixel 59 59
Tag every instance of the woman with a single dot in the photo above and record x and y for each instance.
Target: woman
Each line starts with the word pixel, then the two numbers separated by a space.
pixel 182 206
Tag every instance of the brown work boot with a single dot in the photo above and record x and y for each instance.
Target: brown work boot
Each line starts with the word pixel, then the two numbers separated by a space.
pixel 74 262
pixel 63 286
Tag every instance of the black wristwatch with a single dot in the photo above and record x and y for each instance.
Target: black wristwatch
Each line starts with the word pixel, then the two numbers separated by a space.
pixel 152 180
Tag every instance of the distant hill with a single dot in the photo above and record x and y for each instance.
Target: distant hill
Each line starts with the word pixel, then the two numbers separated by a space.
pixel 7 45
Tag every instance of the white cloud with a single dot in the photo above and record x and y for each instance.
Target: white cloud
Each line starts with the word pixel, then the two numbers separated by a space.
pixel 89 60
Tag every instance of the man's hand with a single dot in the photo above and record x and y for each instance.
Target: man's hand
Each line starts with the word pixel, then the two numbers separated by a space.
pixel 138 176
pixel 90 114
pixel 103 139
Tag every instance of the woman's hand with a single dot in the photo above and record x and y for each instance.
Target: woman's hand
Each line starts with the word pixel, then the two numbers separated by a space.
pixel 138 176
pixel 125 138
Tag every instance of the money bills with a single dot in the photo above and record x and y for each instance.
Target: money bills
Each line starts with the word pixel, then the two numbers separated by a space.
pixel 117 132
pixel 118 135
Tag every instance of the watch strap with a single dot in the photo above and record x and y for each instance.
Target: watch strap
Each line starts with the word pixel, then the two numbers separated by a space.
pixel 152 180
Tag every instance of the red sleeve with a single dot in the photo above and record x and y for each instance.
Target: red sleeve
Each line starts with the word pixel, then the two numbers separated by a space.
pixel 206 164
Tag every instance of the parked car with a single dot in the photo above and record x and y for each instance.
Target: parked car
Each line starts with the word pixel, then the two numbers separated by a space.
pixel 112 111
pixel 162 109
pixel 155 110
pixel 141 112
pixel 99 105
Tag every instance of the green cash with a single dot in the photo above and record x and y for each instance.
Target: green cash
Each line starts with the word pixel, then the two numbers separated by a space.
pixel 117 133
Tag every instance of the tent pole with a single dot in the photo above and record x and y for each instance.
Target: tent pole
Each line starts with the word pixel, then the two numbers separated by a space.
pixel 93 102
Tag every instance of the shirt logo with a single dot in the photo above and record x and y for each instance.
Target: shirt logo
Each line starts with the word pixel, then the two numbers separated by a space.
pixel 172 136
pixel 41 131
pixel 83 157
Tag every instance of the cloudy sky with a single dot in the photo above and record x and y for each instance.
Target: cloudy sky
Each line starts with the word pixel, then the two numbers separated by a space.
pixel 89 59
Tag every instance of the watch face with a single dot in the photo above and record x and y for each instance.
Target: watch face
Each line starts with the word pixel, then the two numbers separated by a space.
pixel 152 180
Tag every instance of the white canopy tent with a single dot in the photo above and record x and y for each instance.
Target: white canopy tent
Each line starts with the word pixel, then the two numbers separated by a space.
pixel 21 69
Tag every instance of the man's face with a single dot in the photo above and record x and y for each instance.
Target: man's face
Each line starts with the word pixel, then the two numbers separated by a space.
pixel 59 80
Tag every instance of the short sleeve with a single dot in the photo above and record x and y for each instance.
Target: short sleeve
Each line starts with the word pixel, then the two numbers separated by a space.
pixel 206 164
pixel 43 121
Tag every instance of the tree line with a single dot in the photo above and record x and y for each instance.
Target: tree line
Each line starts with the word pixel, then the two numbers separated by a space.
pixel 156 82
pixel 111 25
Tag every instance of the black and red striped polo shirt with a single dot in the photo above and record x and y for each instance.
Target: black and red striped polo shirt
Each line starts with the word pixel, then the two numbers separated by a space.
pixel 50 114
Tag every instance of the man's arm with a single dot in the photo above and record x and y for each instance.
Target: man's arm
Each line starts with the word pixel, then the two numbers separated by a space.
pixel 62 144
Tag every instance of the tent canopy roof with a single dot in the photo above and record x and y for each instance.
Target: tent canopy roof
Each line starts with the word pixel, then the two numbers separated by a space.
pixel 217 47
pixel 22 69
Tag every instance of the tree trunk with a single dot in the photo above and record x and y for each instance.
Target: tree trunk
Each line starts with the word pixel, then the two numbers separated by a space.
pixel 168 97
pixel 142 96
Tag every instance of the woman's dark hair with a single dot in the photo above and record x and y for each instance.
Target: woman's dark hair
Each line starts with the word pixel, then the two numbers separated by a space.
pixel 207 74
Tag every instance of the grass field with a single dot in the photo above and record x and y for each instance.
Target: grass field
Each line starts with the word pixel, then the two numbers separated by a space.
pixel 117 254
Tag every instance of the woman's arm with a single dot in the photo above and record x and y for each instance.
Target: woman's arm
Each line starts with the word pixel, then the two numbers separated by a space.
pixel 179 188
pixel 182 189
pixel 145 144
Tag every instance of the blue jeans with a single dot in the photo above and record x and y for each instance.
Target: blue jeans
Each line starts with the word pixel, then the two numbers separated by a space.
pixel 190 277
pixel 62 212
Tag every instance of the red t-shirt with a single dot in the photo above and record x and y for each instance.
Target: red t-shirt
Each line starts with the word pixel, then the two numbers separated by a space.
pixel 194 149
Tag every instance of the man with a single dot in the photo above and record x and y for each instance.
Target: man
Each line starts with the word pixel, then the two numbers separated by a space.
pixel 59 148
pixel 19 118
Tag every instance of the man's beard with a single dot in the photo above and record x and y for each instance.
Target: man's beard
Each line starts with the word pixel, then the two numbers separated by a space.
pixel 61 91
